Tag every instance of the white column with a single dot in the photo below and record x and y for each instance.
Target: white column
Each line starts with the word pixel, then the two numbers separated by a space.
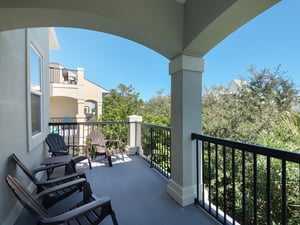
pixel 186 92
pixel 80 98
pixel 134 134
pixel 99 109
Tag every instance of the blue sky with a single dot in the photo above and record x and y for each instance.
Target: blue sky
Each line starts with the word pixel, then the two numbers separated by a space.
pixel 269 40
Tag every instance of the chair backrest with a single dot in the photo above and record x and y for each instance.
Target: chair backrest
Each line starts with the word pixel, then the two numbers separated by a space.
pixel 56 142
pixel 65 74
pixel 97 140
pixel 26 198
pixel 24 168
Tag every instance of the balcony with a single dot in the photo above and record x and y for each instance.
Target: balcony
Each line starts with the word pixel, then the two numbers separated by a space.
pixel 63 76
pixel 238 183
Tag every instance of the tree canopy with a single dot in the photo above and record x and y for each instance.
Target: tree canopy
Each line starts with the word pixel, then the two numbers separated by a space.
pixel 121 103
pixel 158 110
pixel 254 112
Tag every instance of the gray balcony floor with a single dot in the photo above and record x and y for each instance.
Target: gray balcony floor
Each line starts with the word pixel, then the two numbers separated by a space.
pixel 138 196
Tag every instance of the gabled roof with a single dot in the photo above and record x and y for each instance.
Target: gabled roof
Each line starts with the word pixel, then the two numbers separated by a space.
pixel 236 84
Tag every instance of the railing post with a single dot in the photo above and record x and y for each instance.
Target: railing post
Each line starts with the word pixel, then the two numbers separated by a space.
pixel 134 135
pixel 151 146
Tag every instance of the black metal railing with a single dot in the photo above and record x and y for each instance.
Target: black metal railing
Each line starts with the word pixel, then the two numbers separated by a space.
pixel 63 76
pixel 155 140
pixel 247 184
pixel 63 119
pixel 156 143
pixel 77 132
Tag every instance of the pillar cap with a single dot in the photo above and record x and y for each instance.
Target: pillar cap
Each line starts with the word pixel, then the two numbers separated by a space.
pixel 184 62
pixel 135 118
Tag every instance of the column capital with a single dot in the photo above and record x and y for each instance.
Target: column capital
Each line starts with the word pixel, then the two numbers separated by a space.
pixel 134 118
pixel 184 62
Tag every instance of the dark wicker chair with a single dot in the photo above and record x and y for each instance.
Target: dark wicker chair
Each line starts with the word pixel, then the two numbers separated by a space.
pixel 92 211
pixel 41 185
pixel 58 147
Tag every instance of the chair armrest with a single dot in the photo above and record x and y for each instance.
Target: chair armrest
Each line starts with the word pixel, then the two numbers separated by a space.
pixel 76 146
pixel 60 187
pixel 73 148
pixel 66 152
pixel 119 143
pixel 112 141
pixel 48 167
pixel 61 179
pixel 67 216
pixel 95 144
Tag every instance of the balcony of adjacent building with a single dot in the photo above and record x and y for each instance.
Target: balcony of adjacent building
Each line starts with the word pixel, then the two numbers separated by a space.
pixel 61 75
pixel 73 98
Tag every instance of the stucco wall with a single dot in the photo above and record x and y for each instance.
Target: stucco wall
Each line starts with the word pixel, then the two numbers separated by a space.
pixel 92 91
pixel 63 107
pixel 15 136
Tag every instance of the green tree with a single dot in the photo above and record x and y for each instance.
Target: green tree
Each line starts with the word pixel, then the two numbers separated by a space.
pixel 251 112
pixel 260 113
pixel 120 103
pixel 157 110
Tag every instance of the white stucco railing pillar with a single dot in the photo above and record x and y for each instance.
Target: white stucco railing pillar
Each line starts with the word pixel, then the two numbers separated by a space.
pixel 99 109
pixel 80 76
pixel 80 98
pixel 186 91
pixel 80 111
pixel 134 134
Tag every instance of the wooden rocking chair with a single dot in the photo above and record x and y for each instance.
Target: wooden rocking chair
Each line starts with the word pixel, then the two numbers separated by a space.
pixel 90 212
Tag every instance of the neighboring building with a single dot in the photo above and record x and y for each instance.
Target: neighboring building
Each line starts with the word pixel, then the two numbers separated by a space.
pixel 72 97
pixel 296 103
pixel 235 85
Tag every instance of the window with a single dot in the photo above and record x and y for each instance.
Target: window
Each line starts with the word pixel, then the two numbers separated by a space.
pixel 35 69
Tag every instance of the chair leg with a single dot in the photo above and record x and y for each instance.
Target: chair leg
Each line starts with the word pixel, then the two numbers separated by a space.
pixel 70 168
pixel 90 164
pixel 109 160
pixel 107 210
pixel 113 218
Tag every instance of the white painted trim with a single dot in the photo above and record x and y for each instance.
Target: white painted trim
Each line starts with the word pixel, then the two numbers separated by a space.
pixel 184 62
pixel 183 196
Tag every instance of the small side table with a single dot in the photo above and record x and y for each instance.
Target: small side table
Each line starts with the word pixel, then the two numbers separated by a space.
pixel 56 160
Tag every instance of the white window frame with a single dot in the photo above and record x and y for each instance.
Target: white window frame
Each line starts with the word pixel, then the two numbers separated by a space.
pixel 34 139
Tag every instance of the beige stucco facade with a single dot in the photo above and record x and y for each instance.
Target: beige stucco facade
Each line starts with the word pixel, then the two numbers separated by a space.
pixel 79 100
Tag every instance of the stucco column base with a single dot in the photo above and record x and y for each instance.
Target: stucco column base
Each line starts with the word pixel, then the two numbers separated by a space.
pixel 182 195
